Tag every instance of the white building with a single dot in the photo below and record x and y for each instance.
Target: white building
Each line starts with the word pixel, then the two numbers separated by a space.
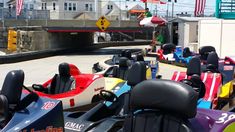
pixel 82 9
pixel 218 33
pixel 184 31
pixel 67 9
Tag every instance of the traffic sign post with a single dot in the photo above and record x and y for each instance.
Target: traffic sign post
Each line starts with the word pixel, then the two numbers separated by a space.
pixel 102 23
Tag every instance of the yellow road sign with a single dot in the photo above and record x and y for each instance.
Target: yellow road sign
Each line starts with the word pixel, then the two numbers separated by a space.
pixel 102 23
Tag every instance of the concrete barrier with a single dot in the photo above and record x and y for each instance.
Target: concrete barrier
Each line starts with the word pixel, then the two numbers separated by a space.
pixel 24 56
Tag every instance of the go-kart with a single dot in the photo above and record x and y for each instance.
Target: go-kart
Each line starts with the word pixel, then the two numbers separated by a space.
pixel 183 56
pixel 124 61
pixel 229 60
pixel 73 88
pixel 27 112
pixel 165 53
pixel 150 105
pixel 85 121
pixel 103 66
pixel 153 110
pixel 217 82
pixel 204 51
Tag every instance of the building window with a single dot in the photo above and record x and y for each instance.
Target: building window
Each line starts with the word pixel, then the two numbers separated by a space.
pixel 86 7
pixel 25 6
pixel 31 6
pixel 74 7
pixel 44 6
pixel 90 7
pixel 109 7
pixel 53 6
pixel 70 6
pixel 1 4
pixel 65 6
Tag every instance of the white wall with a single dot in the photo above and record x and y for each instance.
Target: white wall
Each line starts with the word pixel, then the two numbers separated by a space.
pixel 218 33
pixel 228 38
pixel 193 37
pixel 186 34
pixel 181 34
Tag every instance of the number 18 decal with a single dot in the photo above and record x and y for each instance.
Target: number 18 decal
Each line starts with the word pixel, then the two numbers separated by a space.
pixel 225 118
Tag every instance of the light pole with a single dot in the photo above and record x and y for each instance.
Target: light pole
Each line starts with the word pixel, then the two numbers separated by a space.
pixel 172 9
pixel 167 11
pixel 120 15
pixel 46 11
pixel 96 9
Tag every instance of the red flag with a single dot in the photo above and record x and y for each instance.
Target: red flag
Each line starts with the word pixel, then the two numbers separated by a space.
pixel 19 5
pixel 154 1
pixel 199 7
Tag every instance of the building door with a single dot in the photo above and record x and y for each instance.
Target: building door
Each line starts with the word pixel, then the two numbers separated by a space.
pixel 175 33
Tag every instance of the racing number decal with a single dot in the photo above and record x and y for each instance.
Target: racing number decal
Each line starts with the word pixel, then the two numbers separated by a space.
pixel 48 105
pixel 225 118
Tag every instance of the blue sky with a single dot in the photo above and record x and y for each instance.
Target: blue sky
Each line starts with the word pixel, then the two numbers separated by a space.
pixel 180 6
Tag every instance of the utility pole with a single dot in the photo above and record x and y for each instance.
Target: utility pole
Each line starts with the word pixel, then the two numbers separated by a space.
pixel 172 14
pixel 120 12
pixel 3 13
pixel 167 11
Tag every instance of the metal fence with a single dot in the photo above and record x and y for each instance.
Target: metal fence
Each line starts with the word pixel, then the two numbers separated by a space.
pixel 8 13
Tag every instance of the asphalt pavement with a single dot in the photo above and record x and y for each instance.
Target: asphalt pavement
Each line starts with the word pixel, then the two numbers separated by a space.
pixel 40 70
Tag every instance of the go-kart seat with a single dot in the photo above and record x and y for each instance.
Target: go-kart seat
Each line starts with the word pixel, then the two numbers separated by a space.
pixel 63 81
pixel 204 51
pixel 194 72
pixel 161 106
pixel 194 66
pixel 186 52
pixel 168 48
pixel 136 74
pixel 212 63
pixel 122 70
pixel 10 95
pixel 128 54
pixel 123 53
pixel 196 83
pixel 139 57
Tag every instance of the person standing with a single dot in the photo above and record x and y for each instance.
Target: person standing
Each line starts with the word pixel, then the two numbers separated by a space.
pixel 147 13
pixel 159 38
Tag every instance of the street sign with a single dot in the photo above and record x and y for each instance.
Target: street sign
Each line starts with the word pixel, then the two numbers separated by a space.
pixel 102 23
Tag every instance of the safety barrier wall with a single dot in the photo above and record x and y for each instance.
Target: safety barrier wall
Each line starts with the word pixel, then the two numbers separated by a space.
pixel 24 56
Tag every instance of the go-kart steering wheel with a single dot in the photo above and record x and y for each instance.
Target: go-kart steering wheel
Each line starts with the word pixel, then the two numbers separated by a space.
pixel 190 83
pixel 200 89
pixel 108 96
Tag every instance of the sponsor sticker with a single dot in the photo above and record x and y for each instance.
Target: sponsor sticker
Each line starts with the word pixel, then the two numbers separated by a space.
pixel 48 105
pixel 48 129
pixel 224 118
pixel 228 68
pixel 74 126
pixel 98 89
